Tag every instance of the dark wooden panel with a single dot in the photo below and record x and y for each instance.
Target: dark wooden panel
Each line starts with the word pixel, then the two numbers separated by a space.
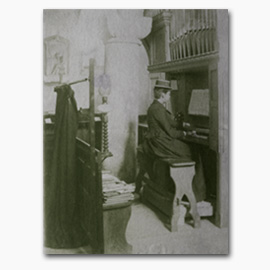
pixel 83 132
pixel 182 65
pixel 213 87
pixel 91 210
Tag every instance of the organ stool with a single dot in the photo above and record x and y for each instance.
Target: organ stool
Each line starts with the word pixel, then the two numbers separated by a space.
pixel 182 174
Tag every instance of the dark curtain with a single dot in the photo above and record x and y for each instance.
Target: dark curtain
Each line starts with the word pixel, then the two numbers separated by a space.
pixel 62 223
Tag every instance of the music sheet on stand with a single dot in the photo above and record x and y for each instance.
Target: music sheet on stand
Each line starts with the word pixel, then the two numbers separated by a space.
pixel 199 102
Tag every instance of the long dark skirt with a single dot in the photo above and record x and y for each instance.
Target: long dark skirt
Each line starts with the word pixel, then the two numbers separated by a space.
pixel 175 148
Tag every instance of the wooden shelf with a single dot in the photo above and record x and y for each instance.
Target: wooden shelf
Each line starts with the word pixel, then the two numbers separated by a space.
pixel 181 65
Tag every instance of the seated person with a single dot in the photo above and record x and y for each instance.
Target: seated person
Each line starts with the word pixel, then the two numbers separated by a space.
pixel 163 139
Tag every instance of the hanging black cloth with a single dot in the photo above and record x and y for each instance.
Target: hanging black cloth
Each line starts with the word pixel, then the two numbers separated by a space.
pixel 62 223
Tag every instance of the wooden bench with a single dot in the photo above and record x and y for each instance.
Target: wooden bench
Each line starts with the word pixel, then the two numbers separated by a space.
pixel 177 173
pixel 182 174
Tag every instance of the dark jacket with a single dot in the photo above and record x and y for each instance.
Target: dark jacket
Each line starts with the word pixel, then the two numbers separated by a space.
pixel 164 139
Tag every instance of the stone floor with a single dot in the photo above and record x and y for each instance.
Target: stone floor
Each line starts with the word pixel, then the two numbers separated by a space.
pixel 148 235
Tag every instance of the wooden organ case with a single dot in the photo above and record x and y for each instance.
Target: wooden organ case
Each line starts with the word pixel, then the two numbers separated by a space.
pixel 190 47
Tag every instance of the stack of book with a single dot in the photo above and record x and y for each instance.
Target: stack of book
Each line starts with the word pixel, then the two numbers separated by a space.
pixel 116 191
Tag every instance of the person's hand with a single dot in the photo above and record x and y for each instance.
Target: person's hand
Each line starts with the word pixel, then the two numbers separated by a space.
pixel 192 133
pixel 185 124
pixel 179 117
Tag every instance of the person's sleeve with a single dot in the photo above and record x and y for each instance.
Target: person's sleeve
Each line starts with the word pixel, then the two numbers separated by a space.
pixel 160 116
pixel 174 123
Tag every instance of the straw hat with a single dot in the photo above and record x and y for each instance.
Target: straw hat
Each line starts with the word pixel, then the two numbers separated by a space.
pixel 163 84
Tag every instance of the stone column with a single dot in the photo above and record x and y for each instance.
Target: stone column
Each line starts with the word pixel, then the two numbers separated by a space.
pixel 122 65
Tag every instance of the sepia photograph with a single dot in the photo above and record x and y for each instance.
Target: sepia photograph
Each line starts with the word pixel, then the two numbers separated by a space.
pixel 134 135
pixel 136 131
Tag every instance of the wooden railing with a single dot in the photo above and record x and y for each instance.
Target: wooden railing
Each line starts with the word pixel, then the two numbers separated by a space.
pixel 192 32
pixel 90 193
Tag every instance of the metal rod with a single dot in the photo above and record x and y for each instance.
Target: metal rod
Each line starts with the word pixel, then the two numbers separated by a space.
pixel 86 79
pixel 59 86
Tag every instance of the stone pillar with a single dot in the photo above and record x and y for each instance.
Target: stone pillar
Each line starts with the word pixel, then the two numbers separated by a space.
pixel 122 65
pixel 223 121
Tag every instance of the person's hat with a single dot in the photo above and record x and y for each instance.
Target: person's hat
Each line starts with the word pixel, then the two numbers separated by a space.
pixel 163 84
